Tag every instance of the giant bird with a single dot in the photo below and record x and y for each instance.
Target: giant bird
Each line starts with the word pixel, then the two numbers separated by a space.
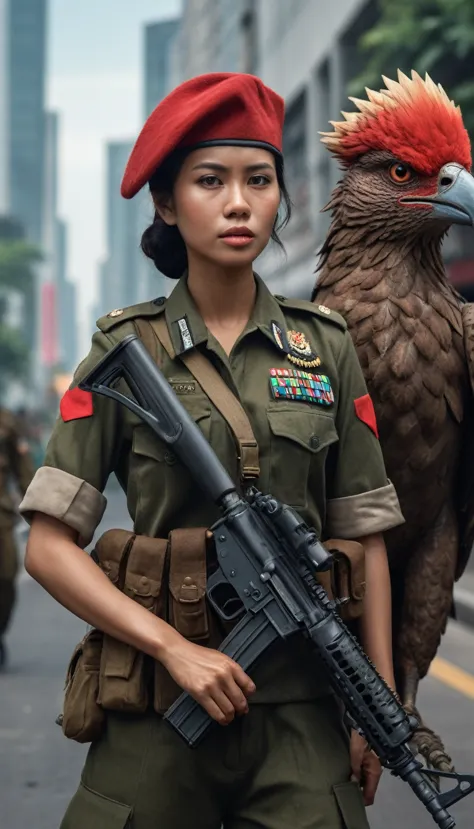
pixel 406 157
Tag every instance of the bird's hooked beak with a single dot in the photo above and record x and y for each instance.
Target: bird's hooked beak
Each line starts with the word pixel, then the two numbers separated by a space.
pixel 454 201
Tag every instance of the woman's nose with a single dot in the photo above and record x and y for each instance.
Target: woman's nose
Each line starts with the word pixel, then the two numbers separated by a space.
pixel 237 204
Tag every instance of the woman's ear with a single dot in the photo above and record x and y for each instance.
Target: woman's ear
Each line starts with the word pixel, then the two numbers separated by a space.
pixel 164 206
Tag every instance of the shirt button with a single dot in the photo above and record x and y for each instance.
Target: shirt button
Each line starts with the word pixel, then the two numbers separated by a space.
pixel 144 581
pixel 159 300
pixel 170 458
pixel 314 442
pixel 188 581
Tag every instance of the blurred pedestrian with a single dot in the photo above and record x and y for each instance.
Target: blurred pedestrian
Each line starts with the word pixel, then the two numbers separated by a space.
pixel 16 472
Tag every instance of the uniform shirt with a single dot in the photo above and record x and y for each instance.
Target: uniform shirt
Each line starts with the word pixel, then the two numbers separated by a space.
pixel 317 452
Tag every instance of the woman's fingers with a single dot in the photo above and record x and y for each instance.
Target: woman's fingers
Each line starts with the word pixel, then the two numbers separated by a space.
pixel 371 774
pixel 215 711
pixel 242 679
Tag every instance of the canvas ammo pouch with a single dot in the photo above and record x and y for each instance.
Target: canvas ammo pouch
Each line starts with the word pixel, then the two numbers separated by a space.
pixel 135 564
pixel 167 577
pixel 187 608
pixel 346 580
pixel 83 718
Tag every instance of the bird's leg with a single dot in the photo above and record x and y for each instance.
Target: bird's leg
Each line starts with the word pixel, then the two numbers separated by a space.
pixel 426 604
pixel 424 740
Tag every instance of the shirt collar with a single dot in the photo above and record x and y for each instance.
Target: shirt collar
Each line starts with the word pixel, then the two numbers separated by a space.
pixel 182 316
pixel 187 327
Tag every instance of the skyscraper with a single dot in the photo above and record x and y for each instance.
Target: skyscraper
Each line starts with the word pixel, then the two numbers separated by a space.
pixel 25 124
pixel 66 303
pixel 123 243
pixel 157 82
pixel 4 106
pixel 159 38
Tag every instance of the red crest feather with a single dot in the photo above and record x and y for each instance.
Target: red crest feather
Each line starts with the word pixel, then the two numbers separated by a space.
pixel 413 119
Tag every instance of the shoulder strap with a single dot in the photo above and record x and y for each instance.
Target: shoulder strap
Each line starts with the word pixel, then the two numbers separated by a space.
pixel 147 336
pixel 216 389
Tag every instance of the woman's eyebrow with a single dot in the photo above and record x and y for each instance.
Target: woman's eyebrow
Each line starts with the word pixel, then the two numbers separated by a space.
pixel 214 165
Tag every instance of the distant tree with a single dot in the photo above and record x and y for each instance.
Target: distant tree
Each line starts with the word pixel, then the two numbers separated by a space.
pixel 17 260
pixel 434 36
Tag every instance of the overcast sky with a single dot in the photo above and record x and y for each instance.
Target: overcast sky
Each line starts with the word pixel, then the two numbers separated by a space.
pixel 94 82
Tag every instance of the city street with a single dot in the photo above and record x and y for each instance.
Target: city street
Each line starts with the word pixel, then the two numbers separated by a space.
pixel 39 768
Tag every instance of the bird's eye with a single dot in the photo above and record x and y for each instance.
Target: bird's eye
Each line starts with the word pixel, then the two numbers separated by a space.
pixel 400 173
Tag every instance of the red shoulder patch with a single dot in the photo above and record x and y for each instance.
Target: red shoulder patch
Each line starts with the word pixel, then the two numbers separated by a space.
pixel 366 413
pixel 75 404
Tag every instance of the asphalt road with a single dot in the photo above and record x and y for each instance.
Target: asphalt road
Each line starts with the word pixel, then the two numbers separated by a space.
pixel 39 768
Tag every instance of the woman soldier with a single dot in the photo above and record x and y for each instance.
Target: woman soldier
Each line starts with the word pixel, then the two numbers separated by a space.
pixel 211 153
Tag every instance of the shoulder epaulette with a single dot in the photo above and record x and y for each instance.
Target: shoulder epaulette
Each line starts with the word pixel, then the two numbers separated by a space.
pixel 151 308
pixel 320 311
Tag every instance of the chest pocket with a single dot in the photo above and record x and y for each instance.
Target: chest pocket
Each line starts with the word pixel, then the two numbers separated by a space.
pixel 299 442
pixel 146 444
pixel 158 482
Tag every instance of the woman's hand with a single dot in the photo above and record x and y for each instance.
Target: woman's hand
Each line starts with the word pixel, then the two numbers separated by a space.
pixel 366 767
pixel 213 679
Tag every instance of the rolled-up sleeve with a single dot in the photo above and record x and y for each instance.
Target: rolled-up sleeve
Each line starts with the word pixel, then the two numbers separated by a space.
pixel 360 498
pixel 79 458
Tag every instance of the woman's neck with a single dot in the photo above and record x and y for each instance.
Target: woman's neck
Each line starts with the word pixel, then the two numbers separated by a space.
pixel 225 298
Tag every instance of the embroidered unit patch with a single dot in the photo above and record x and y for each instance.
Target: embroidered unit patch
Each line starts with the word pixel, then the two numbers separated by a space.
pixel 291 384
pixel 366 413
pixel 279 336
pixel 300 351
pixel 76 403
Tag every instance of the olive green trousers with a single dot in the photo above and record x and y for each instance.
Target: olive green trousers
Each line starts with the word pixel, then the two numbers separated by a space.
pixel 279 767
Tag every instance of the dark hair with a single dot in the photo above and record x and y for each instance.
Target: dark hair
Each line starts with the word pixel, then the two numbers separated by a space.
pixel 164 244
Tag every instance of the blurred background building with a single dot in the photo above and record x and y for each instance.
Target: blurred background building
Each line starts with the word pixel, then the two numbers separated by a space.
pixel 33 304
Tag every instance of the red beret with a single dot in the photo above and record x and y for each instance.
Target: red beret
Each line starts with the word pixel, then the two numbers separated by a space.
pixel 215 107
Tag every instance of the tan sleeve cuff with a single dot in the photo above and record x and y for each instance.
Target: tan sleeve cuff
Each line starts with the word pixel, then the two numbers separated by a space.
pixel 67 498
pixel 369 512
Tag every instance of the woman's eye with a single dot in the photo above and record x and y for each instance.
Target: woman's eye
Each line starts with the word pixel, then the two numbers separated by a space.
pixel 260 180
pixel 209 181
pixel 400 173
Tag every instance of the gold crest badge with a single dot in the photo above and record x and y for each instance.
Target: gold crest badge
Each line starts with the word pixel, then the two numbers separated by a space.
pixel 300 351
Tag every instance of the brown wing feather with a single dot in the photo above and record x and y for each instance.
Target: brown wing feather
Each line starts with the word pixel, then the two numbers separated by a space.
pixel 466 480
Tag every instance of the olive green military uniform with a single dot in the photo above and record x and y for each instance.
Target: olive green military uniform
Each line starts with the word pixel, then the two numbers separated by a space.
pixel 16 468
pixel 286 762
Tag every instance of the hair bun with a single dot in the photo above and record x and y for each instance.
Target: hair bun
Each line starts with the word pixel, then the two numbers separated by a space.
pixel 164 245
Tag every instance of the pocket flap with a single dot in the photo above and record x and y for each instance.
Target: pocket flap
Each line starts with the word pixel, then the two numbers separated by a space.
pixel 310 429
pixel 112 551
pixel 188 576
pixel 146 443
pixel 145 567
pixel 351 805
pixel 91 809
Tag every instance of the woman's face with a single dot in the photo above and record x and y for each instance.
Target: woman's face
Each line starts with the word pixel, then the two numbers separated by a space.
pixel 224 202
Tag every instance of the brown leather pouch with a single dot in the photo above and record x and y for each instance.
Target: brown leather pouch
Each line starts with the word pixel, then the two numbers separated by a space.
pixel 346 581
pixel 125 671
pixel 186 608
pixel 83 718
pixel 187 583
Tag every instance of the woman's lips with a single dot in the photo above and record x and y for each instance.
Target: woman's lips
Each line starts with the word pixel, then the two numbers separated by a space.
pixel 237 241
